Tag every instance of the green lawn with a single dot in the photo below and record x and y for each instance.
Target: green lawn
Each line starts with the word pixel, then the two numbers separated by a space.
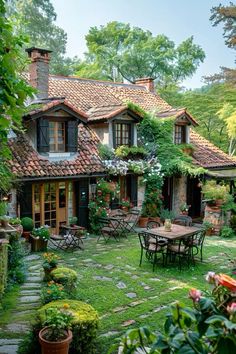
pixel 104 267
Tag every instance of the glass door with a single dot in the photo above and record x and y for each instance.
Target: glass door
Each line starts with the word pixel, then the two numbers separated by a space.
pixel 50 204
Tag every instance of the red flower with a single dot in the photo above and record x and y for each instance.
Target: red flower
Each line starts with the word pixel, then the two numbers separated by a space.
pixel 195 294
pixel 228 282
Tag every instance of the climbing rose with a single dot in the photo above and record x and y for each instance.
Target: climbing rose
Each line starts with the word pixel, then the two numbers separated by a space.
pixel 195 294
pixel 212 278
pixel 231 308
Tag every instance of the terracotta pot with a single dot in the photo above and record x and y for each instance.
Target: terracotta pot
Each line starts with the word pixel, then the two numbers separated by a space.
pixel 210 232
pixel 219 202
pixel 156 218
pixel 60 347
pixel 143 220
pixel 125 208
pixel 107 198
pixel 26 235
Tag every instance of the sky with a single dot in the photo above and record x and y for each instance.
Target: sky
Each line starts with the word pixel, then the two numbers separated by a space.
pixel 177 19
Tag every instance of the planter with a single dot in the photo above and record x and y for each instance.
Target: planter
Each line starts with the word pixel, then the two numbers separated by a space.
pixel 219 202
pixel 60 347
pixel 38 244
pixel 210 232
pixel 156 218
pixel 4 223
pixel 107 198
pixel 26 235
pixel 143 220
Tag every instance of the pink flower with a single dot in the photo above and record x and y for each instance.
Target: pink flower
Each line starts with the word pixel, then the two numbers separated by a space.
pixel 195 294
pixel 232 308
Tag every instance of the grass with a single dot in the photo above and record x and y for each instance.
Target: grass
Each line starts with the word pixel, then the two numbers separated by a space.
pixel 103 267
pixel 155 291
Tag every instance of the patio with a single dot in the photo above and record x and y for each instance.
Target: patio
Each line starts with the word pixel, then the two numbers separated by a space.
pixel 124 294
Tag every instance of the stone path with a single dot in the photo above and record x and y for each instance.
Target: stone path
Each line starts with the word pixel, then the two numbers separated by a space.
pixel 26 305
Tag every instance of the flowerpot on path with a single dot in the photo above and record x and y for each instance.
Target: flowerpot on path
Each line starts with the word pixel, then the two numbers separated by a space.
pixel 60 347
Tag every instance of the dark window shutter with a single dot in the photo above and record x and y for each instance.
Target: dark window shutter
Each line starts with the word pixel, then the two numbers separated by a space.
pixel 134 190
pixel 43 135
pixel 72 136
pixel 131 134
pixel 114 134
pixel 25 200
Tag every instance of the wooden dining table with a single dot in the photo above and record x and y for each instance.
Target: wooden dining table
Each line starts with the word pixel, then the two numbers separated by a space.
pixel 177 232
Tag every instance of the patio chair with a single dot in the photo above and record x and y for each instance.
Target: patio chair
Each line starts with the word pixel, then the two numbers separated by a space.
pixel 152 246
pixel 180 249
pixel 110 227
pixel 197 243
pixel 65 242
pixel 153 225
pixel 183 220
pixel 131 220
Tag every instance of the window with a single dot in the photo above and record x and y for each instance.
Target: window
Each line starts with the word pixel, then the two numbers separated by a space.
pixel 56 136
pixel 122 134
pixel 180 134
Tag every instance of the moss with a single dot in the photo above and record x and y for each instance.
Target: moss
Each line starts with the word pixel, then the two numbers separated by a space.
pixel 84 324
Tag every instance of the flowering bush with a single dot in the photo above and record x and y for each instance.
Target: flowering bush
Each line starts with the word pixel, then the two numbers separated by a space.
pixel 58 321
pixel 208 327
pixel 50 260
pixel 53 291
pixel 42 232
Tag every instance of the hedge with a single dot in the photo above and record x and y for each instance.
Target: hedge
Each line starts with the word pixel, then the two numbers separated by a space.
pixel 65 276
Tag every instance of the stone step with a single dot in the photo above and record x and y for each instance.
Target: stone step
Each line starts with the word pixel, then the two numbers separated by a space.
pixel 7 341
pixel 17 328
pixel 34 279
pixel 31 286
pixel 30 292
pixel 9 349
pixel 29 299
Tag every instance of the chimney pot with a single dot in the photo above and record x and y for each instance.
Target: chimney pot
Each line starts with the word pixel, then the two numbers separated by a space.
pixel 148 82
pixel 39 70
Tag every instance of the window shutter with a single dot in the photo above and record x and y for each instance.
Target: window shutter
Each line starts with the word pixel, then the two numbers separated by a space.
pixel 25 200
pixel 114 134
pixel 43 135
pixel 131 134
pixel 72 136
pixel 134 190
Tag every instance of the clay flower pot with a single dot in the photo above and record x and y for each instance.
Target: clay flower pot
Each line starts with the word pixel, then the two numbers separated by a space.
pixel 143 220
pixel 59 347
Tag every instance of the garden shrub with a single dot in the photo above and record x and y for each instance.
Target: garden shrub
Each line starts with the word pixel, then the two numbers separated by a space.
pixel 84 324
pixel 65 276
pixel 16 269
pixel 52 291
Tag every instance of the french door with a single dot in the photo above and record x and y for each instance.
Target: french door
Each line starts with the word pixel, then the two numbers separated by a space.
pixel 50 204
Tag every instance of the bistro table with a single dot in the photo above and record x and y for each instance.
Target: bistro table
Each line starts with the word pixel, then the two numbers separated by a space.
pixel 73 235
pixel 177 232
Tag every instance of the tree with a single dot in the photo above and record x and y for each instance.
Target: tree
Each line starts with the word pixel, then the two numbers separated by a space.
pixel 227 16
pixel 228 114
pixel 36 18
pixel 13 90
pixel 135 53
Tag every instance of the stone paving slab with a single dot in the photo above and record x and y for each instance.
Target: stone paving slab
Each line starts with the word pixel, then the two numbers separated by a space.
pixel 31 286
pixel 25 292
pixel 29 299
pixel 18 328
pixel 8 349
pixel 32 257
pixel 34 279
pixel 7 341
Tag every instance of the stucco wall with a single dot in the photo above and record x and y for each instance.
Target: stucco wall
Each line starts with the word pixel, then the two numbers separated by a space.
pixel 141 191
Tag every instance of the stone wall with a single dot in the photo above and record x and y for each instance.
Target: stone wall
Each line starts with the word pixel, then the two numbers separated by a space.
pixel 3 265
pixel 179 193
pixel 141 191
pixel 214 215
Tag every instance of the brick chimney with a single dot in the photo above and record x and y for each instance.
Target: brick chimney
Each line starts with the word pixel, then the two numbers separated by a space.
pixel 148 82
pixel 39 70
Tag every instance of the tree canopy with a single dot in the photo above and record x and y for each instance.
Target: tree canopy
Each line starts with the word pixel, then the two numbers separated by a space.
pixel 13 90
pixel 36 18
pixel 125 52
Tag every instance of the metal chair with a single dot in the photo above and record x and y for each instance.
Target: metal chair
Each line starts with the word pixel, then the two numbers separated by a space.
pixel 183 220
pixel 152 246
pixel 153 225
pixel 197 243
pixel 110 227
pixel 131 220
pixel 181 249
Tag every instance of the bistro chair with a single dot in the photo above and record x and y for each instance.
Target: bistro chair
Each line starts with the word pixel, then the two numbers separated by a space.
pixel 152 246
pixel 110 227
pixel 153 225
pixel 197 243
pixel 131 220
pixel 183 220
pixel 182 250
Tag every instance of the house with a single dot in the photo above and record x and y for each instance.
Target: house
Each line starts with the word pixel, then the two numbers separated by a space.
pixel 56 161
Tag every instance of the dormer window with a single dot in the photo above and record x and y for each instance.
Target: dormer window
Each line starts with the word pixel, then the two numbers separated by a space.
pixel 180 134
pixel 56 136
pixel 123 134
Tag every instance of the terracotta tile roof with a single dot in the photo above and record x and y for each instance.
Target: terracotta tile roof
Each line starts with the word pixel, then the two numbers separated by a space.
pixel 46 104
pixel 27 163
pixel 208 155
pixel 85 94
pixel 177 112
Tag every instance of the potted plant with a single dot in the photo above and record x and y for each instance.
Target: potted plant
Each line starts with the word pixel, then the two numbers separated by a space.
pixel 125 204
pixel 167 214
pixel 215 192
pixel 4 221
pixel 184 208
pixel 50 263
pixel 73 220
pixel 39 238
pixel 143 219
pixel 28 225
pixel 56 336
pixel 208 227
pixel 16 223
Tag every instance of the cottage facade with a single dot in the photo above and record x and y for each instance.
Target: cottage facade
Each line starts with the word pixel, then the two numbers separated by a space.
pixel 56 160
